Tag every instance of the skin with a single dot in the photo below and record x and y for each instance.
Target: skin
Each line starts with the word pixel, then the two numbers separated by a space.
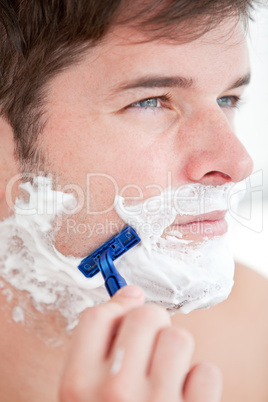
pixel 190 138
pixel 193 138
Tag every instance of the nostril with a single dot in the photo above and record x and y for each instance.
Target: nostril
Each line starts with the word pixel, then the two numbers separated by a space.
pixel 215 173
pixel 215 178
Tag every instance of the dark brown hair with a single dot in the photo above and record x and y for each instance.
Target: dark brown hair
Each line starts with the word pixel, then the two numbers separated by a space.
pixel 40 38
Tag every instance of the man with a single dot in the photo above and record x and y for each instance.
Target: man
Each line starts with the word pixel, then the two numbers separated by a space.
pixel 132 91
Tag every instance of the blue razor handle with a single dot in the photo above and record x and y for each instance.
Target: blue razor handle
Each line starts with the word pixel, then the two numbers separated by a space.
pixel 102 259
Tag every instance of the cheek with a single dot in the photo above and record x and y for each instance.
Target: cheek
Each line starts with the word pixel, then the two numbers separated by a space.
pixel 63 144
pixel 105 156
pixel 83 233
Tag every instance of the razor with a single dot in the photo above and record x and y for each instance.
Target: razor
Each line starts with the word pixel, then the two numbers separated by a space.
pixel 101 260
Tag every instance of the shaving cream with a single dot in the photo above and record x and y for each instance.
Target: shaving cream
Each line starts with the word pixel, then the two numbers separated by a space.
pixel 29 261
pixel 173 272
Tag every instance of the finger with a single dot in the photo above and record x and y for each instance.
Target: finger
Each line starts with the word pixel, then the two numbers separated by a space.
pixel 135 341
pixel 171 362
pixel 203 384
pixel 98 324
pixel 93 335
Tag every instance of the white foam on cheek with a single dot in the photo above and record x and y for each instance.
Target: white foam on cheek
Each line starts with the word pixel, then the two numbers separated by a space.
pixel 29 261
pixel 174 272
pixel 171 271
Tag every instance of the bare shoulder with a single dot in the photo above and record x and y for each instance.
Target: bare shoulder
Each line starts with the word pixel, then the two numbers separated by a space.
pixel 248 301
pixel 234 336
pixel 250 287
pixel 248 305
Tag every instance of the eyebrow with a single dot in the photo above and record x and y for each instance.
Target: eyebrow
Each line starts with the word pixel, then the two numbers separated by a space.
pixel 170 82
pixel 244 80
pixel 158 82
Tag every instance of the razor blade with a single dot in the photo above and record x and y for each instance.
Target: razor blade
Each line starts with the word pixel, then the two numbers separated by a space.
pixel 101 260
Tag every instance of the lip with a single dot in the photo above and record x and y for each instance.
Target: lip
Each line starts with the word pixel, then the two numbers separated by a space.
pixel 199 227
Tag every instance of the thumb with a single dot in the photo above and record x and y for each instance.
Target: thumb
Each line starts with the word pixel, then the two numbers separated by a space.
pixel 128 297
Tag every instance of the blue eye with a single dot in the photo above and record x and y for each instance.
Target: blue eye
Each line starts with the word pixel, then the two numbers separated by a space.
pixel 151 102
pixel 228 101
pixel 157 102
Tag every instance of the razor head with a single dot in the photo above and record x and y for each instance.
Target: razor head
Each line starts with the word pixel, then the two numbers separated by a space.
pixel 116 246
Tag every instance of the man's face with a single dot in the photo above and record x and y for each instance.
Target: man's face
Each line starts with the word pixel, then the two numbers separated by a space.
pixel 139 115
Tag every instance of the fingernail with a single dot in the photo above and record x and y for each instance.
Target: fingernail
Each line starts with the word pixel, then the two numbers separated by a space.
pixel 130 291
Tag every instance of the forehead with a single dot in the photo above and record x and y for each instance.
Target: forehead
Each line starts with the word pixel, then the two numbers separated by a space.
pixel 213 62
pixel 125 52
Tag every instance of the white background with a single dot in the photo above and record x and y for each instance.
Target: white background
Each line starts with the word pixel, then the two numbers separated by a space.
pixel 250 235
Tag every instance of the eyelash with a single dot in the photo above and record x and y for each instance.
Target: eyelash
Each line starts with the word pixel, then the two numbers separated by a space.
pixel 167 98
pixel 236 101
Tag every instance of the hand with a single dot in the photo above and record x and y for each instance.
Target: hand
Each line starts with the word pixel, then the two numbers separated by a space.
pixel 123 351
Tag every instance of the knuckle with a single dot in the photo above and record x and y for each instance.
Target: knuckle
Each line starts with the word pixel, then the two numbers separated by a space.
pixel 155 395
pixel 158 396
pixel 72 389
pixel 149 315
pixel 179 336
pixel 93 314
pixel 115 390
pixel 210 372
pixel 99 314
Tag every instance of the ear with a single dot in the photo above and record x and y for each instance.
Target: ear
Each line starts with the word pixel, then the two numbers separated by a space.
pixel 8 165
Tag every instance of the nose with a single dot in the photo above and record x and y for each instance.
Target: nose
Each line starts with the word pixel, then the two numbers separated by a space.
pixel 216 155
